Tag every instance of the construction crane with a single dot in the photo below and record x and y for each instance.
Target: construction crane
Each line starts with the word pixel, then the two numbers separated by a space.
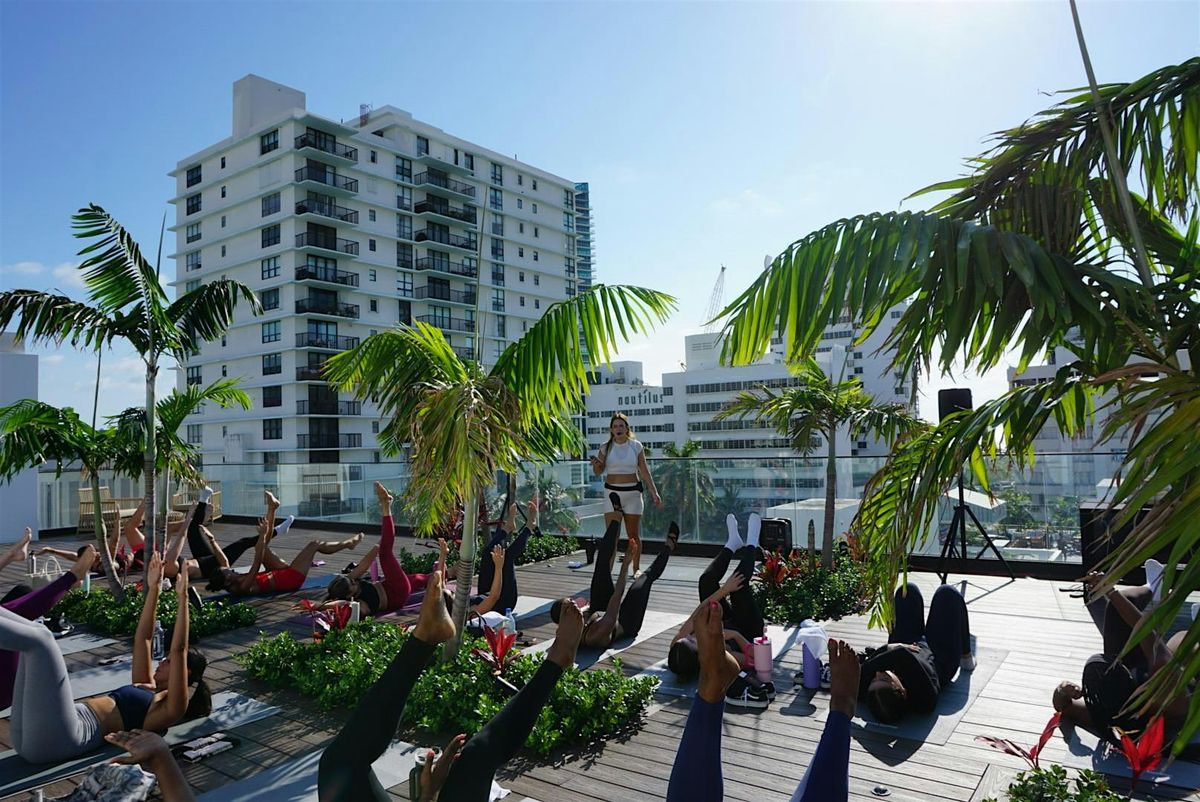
pixel 714 303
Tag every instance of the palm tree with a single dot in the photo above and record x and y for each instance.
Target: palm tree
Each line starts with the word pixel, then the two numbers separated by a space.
pixel 554 503
pixel 127 302
pixel 464 424
pixel 821 406
pixel 685 483
pixel 1040 245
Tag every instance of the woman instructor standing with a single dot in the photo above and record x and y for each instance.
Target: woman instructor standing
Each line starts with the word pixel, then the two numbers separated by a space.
pixel 622 460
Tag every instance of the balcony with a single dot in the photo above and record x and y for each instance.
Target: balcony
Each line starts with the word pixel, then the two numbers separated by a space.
pixel 329 275
pixel 439 163
pixel 327 145
pixel 318 306
pixel 310 373
pixel 328 342
pixel 404 261
pixel 462 352
pixel 328 178
pixel 329 440
pixel 445 182
pixel 446 266
pixel 329 507
pixel 433 292
pixel 453 240
pixel 307 407
pixel 324 209
pixel 431 207
pixel 308 240
pixel 497 306
pixel 447 323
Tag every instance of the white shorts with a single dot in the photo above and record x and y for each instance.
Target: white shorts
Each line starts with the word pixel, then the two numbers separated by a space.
pixel 631 501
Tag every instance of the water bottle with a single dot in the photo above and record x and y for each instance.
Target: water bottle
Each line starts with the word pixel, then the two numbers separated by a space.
pixel 414 774
pixel 32 564
pixel 158 650
pixel 87 583
pixel 355 612
pixel 510 621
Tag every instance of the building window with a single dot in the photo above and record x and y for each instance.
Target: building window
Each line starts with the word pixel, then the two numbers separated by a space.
pixel 195 433
pixel 192 285
pixel 469 161
pixel 537 304
pixel 534 205
pixel 193 176
pixel 422 145
pixel 497 300
pixel 498 225
pixel 520 228
pixel 520 180
pixel 222 190
pixel 194 375
pixel 272 364
pixel 270 299
pixel 272 396
pixel 520 203
pixel 536 233
pixel 374 157
pixel 270 267
pixel 374 305
pixel 520 253
pixel 222 250
pixel 371 215
pixel 273 429
pixel 271 331
pixel 193 232
pixel 498 249
pixel 404 227
pixel 192 260
pixel 371 246
pixel 222 221
pixel 270 204
pixel 496 199
pixel 535 185
pixel 522 300
pixel 268 142
pixel 404 169
pixel 404 285
pixel 498 174
pixel 193 203
pixel 404 198
pixel 568 222
pixel 270 236
pixel 270 462
pixel 521 276
pixel 501 324
pixel 404 313
pixel 535 258
pixel 537 280
pixel 570 288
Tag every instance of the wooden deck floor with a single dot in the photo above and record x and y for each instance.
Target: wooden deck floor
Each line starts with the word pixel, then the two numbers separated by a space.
pixel 1046 634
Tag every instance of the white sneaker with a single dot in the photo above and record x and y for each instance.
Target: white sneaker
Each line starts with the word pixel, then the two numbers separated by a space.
pixel 967 663
pixel 1154 575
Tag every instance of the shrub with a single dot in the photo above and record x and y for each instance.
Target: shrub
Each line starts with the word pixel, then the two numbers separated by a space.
pixel 460 696
pixel 100 612
pixel 1050 784
pixel 788 591
pixel 538 548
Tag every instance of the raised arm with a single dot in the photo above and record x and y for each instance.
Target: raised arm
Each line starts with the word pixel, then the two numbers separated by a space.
pixel 53 552
pixel 1151 645
pixel 493 596
pixel 364 565
pixel 143 638
pixel 177 682
pixel 734 582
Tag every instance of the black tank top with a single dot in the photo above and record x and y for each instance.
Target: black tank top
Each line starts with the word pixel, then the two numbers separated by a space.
pixel 368 595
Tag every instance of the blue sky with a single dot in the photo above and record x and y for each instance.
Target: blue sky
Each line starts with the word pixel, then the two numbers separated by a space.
pixel 711 132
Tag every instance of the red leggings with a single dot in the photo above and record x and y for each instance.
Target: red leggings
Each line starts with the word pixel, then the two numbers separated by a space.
pixel 397 584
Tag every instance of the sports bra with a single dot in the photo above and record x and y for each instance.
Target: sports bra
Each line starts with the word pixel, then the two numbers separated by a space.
pixel 368 594
pixel 133 703
pixel 622 457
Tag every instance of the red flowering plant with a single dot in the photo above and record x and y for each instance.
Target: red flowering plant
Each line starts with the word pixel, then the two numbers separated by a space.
pixel 1146 753
pixel 325 619
pixel 788 591
pixel 1012 748
pixel 500 650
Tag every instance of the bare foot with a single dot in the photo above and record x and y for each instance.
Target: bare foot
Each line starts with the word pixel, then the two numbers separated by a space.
pixel 844 671
pixel 84 563
pixel 20 549
pixel 717 666
pixel 385 498
pixel 531 513
pixel 434 625
pixel 354 541
pixel 566 639
pixel 271 501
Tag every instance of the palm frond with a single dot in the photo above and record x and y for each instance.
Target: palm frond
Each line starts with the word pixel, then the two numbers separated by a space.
pixel 546 367
pixel 205 313
pixel 115 272
pixel 57 318
pixel 33 433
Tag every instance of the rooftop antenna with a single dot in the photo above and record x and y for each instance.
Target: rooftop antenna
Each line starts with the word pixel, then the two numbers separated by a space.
pixel 714 303
pixel 364 111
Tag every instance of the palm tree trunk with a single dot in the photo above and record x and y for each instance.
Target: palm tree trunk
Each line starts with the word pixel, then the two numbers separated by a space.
pixel 830 497
pixel 466 571
pixel 148 473
pixel 114 581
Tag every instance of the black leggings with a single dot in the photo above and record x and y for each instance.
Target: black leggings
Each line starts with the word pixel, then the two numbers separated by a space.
pixel 487 568
pixel 602 581
pixel 633 607
pixel 738 609
pixel 198 544
pixel 345 772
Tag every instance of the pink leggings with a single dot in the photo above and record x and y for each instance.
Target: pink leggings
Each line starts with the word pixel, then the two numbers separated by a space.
pixel 397 584
pixel 30 606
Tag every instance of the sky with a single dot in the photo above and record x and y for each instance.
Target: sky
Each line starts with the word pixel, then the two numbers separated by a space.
pixel 711 133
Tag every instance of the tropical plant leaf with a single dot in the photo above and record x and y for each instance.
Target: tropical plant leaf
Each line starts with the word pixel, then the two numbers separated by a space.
pixel 56 318
pixel 116 274
pixel 33 433
pixel 205 313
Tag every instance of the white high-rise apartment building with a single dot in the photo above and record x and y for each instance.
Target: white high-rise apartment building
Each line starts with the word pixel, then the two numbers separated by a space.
pixel 345 229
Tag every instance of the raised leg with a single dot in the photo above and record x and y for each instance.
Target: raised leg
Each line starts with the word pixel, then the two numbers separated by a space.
pixel 633 607
pixel 948 630
pixel 602 583
pixel 744 615
pixel 910 615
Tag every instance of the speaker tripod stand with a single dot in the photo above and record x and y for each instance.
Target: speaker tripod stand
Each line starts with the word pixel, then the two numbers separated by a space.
pixel 956 539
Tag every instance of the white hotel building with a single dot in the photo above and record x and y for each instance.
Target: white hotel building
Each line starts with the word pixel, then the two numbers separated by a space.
pixel 344 229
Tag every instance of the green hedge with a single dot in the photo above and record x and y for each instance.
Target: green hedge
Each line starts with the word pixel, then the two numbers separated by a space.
pixel 538 548
pixel 454 697
pixel 788 591
pixel 100 612
pixel 1050 784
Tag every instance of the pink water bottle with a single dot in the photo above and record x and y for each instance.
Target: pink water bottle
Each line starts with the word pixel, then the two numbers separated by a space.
pixel 762 658
pixel 374 570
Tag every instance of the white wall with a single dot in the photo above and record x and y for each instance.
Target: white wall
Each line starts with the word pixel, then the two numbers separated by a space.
pixel 18 498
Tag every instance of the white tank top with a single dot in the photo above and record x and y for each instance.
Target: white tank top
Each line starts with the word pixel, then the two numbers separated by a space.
pixel 623 457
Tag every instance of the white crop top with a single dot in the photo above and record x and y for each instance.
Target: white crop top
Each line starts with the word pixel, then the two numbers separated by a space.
pixel 623 457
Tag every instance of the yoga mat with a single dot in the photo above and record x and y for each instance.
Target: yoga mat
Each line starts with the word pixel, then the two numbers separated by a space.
pixel 953 702
pixel 653 624
pixel 783 640
pixel 229 710
pixel 82 642
pixel 311 582
pixel 93 682
pixel 296 780
pixel 1086 751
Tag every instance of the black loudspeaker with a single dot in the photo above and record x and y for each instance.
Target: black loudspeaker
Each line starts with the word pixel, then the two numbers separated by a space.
pixel 954 399
pixel 776 535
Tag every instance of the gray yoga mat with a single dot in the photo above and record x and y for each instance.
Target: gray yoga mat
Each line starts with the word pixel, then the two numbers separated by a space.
pixel 93 682
pixel 1085 751
pixel 653 624
pixel 230 710
pixel 783 640
pixel 82 642
pixel 953 702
